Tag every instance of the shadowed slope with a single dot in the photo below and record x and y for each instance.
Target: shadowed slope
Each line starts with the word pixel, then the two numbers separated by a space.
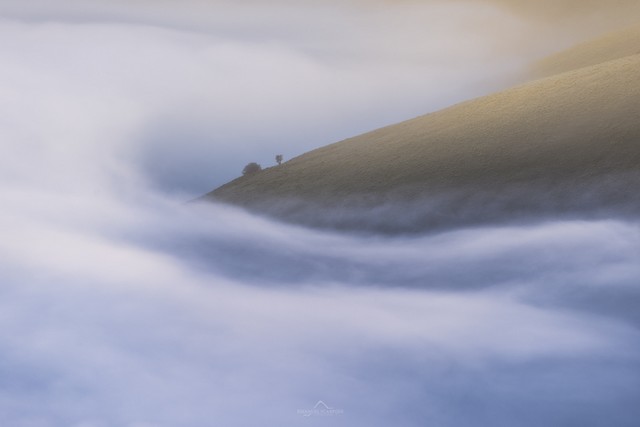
pixel 562 144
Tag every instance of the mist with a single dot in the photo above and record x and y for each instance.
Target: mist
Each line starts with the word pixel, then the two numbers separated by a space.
pixel 122 305
pixel 414 209
pixel 163 92
pixel 158 314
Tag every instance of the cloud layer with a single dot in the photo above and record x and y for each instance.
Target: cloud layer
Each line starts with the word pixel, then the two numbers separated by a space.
pixel 188 93
pixel 157 315
pixel 123 307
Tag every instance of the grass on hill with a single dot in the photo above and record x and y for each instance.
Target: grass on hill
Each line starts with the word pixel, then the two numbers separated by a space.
pixel 613 45
pixel 570 141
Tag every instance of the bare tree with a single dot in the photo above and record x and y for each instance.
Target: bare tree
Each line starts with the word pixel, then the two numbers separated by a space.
pixel 279 158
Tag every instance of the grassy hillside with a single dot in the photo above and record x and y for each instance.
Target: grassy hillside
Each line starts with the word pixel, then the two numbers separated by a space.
pixel 509 151
pixel 615 45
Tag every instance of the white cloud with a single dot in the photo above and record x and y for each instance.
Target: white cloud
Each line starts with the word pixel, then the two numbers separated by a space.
pixel 121 308
pixel 208 88
pixel 121 313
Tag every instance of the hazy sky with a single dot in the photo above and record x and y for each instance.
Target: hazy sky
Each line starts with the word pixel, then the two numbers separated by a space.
pixel 183 94
pixel 122 307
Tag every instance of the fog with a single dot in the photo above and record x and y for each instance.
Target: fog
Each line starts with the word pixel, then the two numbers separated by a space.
pixel 184 94
pixel 417 209
pixel 121 305
pixel 158 314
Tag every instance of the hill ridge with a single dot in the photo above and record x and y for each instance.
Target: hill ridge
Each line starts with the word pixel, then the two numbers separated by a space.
pixel 560 131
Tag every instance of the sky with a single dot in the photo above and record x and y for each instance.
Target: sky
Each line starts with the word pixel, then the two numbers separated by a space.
pixel 182 95
pixel 122 306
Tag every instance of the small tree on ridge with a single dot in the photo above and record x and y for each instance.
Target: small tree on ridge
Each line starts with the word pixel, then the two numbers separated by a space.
pixel 251 168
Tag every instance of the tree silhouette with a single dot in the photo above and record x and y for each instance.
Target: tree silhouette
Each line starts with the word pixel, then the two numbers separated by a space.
pixel 251 168
pixel 279 158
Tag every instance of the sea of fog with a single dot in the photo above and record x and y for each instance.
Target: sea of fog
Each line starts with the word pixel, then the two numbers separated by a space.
pixel 154 313
pixel 123 306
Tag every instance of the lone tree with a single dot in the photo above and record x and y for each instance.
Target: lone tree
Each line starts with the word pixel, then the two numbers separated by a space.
pixel 279 158
pixel 251 168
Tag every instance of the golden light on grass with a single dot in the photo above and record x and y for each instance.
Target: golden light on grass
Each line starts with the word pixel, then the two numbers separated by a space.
pixel 614 45
pixel 558 132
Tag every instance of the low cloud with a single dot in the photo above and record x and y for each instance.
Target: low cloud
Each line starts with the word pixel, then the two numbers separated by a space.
pixel 188 95
pixel 156 314
pixel 121 306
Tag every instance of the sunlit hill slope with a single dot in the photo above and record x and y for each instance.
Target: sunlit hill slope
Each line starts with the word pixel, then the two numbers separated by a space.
pixel 564 145
pixel 614 45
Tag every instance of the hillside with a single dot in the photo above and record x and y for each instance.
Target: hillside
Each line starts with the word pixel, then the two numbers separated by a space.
pixel 568 144
pixel 614 45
